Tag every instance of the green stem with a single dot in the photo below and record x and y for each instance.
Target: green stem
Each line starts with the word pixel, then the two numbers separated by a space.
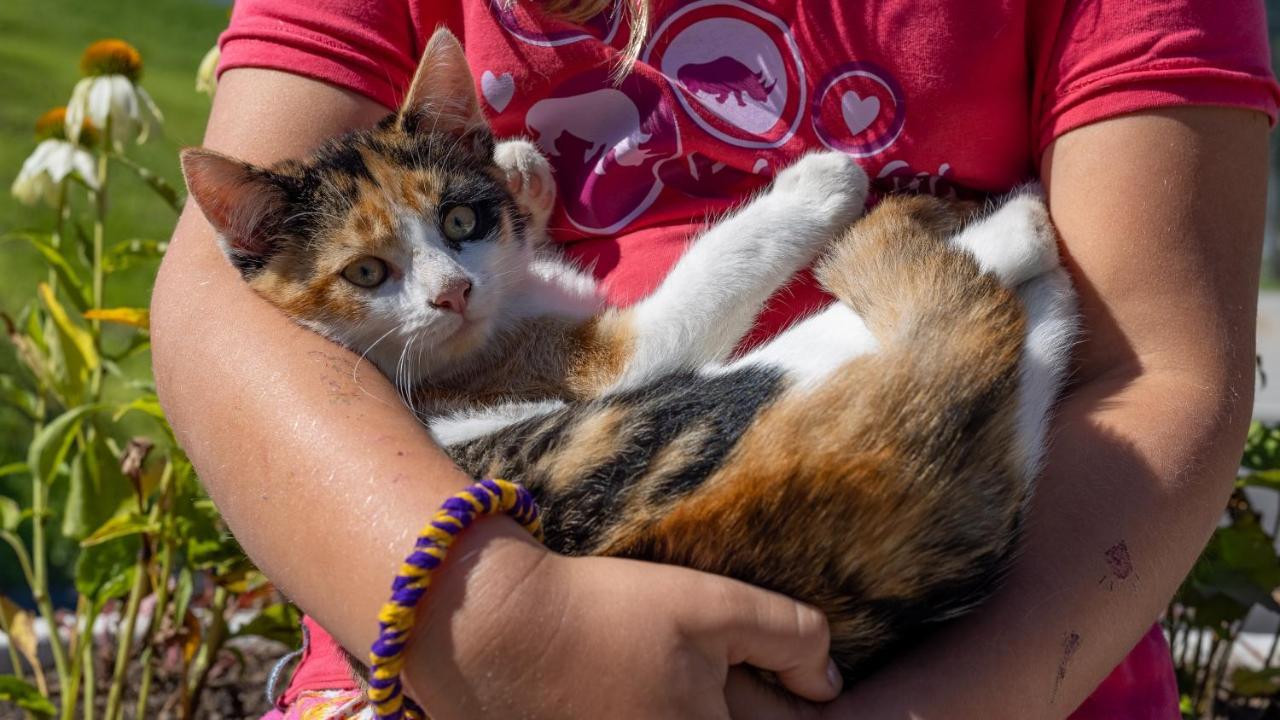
pixel 36 568
pixel 210 645
pixel 84 613
pixel 55 239
pixel 90 679
pixel 99 240
pixel 165 506
pixel 124 637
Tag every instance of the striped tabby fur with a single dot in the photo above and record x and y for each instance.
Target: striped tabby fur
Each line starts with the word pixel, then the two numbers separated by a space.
pixel 874 460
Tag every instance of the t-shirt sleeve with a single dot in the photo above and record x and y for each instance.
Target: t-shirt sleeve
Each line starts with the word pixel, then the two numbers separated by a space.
pixel 1096 59
pixel 368 46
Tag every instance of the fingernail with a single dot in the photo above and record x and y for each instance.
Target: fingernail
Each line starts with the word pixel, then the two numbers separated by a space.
pixel 833 675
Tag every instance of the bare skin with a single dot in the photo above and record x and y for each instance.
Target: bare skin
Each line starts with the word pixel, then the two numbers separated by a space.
pixel 325 479
pixel 1161 216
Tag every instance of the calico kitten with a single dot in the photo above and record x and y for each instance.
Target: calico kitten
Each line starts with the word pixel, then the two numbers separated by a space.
pixel 873 460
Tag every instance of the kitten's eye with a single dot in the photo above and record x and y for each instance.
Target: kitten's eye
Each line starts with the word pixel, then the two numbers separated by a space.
pixel 367 272
pixel 460 222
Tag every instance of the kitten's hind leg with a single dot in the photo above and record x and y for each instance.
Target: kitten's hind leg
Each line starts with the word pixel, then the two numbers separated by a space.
pixel 1052 326
pixel 528 177
pixel 714 292
pixel 1016 241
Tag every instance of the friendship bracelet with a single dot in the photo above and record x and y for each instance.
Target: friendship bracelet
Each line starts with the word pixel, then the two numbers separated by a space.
pixel 386 658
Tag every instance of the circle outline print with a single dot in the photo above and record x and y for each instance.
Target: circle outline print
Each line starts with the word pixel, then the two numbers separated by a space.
pixel 559 38
pixel 683 94
pixel 854 147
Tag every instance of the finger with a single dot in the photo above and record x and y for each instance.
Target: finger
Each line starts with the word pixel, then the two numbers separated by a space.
pixel 772 632
pixel 750 699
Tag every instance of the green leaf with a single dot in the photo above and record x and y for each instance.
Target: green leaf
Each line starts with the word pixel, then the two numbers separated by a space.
pixel 35 328
pixel 118 527
pixel 79 337
pixel 280 622
pixel 1262 447
pixel 106 571
pixel 98 490
pixel 139 344
pixel 1238 570
pixel 147 404
pixel 25 696
pixel 182 593
pixel 10 513
pixel 49 447
pixel 12 393
pixel 17 468
pixel 67 275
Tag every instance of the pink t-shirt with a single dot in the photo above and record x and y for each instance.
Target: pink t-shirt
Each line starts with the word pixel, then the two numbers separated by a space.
pixel 938 96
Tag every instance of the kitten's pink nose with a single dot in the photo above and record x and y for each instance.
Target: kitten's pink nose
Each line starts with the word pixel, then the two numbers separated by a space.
pixel 453 296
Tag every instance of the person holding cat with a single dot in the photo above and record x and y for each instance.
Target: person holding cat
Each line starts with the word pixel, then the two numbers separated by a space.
pixel 1147 123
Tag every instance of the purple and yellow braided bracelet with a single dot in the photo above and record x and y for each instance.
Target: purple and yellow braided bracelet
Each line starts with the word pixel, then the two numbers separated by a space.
pixel 395 621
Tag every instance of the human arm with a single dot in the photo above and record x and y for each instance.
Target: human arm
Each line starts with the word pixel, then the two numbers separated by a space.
pixel 325 478
pixel 1160 215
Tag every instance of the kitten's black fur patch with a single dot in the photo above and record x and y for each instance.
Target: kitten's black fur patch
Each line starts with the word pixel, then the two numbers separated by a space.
pixel 655 415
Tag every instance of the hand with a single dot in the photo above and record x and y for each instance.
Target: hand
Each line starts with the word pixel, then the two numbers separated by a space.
pixel 547 636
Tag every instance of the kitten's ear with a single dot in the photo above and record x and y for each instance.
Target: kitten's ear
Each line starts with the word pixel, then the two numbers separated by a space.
pixel 442 96
pixel 241 201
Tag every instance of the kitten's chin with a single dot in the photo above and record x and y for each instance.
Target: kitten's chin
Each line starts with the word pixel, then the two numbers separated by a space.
pixel 471 335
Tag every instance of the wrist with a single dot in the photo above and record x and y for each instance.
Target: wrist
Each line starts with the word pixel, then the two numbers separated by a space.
pixel 484 599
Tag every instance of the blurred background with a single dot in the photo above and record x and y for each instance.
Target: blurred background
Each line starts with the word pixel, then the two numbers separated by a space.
pixel 135 550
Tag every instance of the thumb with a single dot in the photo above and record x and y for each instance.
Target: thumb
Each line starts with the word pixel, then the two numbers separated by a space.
pixel 772 632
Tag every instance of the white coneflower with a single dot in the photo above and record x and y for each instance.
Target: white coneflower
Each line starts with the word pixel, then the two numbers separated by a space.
pixel 206 75
pixel 109 96
pixel 54 160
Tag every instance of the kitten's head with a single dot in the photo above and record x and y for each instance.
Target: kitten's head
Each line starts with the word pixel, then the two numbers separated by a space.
pixel 401 241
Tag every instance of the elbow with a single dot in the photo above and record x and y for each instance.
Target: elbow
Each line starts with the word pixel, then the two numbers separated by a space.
pixel 1213 420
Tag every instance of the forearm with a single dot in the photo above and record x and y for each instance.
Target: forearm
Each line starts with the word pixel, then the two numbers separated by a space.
pixel 316 465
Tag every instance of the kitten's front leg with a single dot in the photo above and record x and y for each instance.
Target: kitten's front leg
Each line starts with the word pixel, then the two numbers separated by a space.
pixel 714 292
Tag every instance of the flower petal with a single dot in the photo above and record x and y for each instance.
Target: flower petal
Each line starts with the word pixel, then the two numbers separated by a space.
pixel 77 107
pixel 59 164
pixel 99 104
pixel 85 167
pixel 151 111
pixel 124 110
pixel 39 159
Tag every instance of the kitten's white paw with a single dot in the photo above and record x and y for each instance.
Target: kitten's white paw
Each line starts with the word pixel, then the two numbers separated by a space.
pixel 528 178
pixel 1017 241
pixel 830 182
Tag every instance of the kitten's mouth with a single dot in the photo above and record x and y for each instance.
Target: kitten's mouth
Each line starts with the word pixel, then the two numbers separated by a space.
pixel 470 330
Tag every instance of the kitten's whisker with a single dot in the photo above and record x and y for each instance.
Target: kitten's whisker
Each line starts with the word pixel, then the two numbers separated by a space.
pixel 368 350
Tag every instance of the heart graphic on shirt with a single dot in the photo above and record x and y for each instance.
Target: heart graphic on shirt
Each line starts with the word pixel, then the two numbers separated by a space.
pixel 497 89
pixel 859 112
